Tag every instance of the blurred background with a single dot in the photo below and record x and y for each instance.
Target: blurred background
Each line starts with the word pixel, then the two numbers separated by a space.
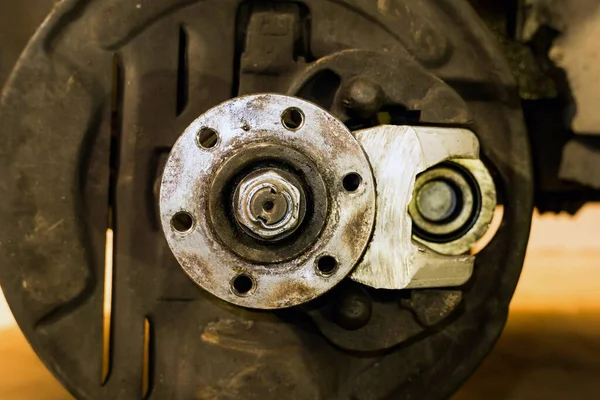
pixel 550 348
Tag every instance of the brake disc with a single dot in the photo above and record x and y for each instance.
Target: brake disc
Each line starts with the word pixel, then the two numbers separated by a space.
pixel 351 216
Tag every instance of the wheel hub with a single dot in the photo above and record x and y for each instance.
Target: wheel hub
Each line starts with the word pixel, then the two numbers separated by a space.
pixel 278 212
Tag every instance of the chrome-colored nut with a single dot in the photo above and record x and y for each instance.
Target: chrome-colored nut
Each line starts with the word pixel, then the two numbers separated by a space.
pixel 267 205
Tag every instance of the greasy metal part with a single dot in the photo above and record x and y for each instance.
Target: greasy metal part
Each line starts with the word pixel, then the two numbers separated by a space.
pixel 436 200
pixel 364 320
pixel 432 306
pixel 189 177
pixel 268 205
pixel 352 308
pixel 414 88
pixel 505 20
pixel 483 212
pixel 363 96
pixel 456 195
pixel 398 154
pixel 296 168
pixel 341 319
pixel 270 56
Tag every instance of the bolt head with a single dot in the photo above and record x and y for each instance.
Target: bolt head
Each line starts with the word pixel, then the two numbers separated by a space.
pixel 363 96
pixel 437 200
pixel 267 205
pixel 353 309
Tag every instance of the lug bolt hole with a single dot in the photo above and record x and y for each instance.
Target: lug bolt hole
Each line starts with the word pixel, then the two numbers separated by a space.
pixel 242 285
pixel 182 222
pixel 207 138
pixel 292 118
pixel 326 265
pixel 352 182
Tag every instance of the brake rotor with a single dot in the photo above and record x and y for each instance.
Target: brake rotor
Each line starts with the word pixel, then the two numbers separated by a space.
pixel 88 120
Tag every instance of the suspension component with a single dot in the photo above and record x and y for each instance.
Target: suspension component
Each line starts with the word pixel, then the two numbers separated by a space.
pixel 445 207
pixel 280 203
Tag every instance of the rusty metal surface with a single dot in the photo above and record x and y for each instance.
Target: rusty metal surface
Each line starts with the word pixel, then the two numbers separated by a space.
pixel 393 316
pixel 382 69
pixel 296 167
pixel 251 120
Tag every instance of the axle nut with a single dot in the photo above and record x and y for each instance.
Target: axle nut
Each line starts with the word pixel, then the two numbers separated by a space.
pixel 267 205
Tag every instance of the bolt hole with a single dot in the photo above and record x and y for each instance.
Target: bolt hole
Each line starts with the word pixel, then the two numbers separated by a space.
pixel 292 118
pixel 242 285
pixel 352 182
pixel 207 138
pixel 326 265
pixel 268 206
pixel 182 222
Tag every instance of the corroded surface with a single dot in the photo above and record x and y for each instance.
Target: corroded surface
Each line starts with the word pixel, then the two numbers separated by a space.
pixel 253 120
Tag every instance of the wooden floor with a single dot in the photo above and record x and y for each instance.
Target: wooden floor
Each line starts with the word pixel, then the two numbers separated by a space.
pixel 550 349
pixel 543 356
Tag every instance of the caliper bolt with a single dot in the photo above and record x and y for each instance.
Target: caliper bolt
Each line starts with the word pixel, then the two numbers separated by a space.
pixel 437 200
pixel 353 308
pixel 267 205
pixel 363 96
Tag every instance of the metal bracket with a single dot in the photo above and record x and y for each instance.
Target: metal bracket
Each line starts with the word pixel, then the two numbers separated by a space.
pixel 394 259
